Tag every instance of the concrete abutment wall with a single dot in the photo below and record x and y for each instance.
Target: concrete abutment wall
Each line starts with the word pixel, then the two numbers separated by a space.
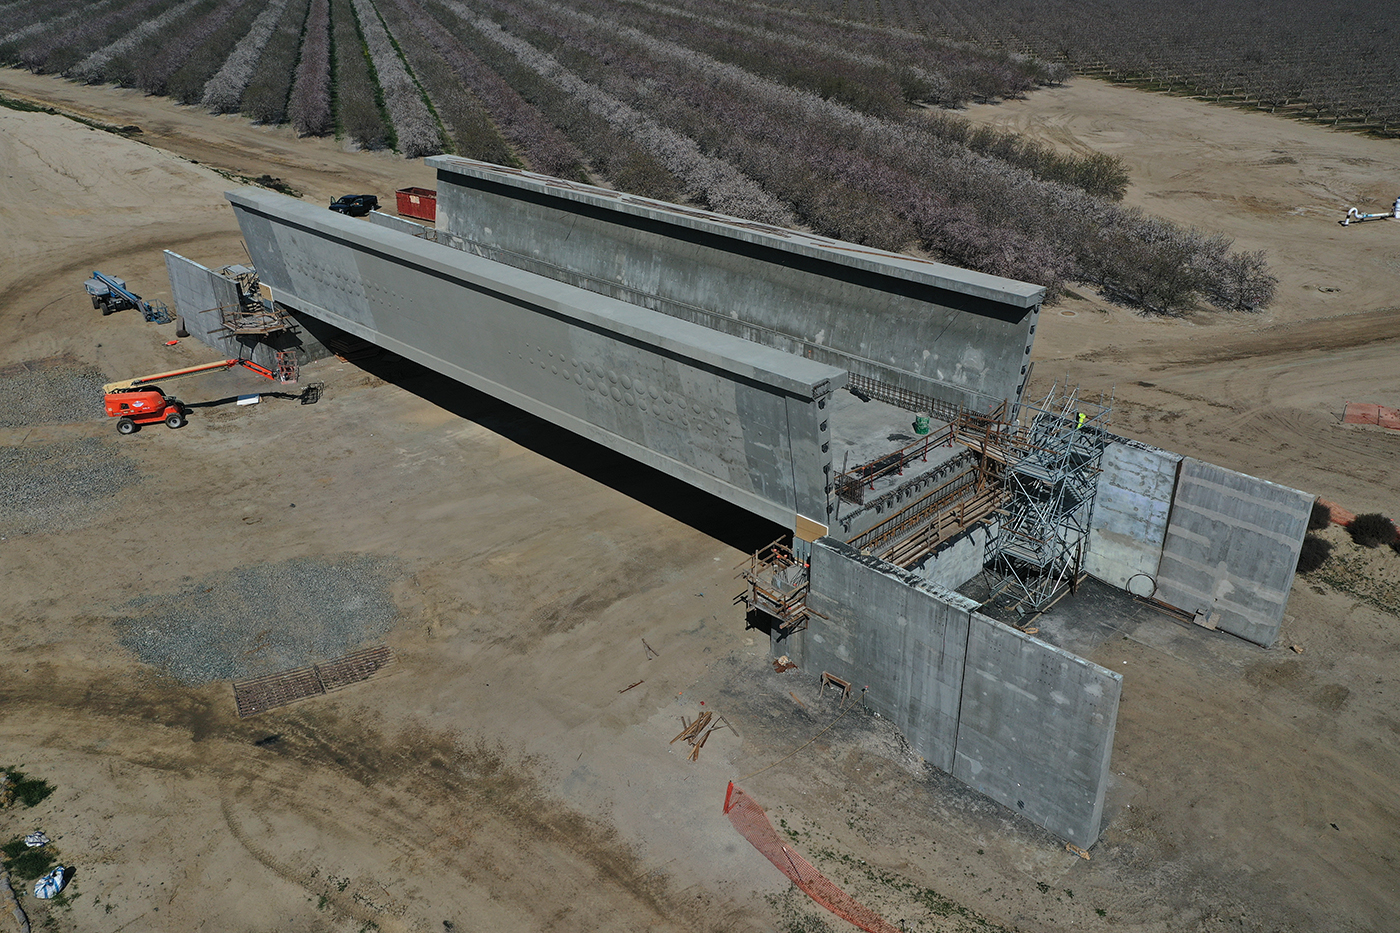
pixel 1129 521
pixel 1231 549
pixel 199 292
pixel 1024 722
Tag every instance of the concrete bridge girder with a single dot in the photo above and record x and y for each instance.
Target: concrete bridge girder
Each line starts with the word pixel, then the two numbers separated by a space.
pixel 745 422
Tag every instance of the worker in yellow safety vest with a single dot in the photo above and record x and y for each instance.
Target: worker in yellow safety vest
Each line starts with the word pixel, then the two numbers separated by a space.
pixel 1082 418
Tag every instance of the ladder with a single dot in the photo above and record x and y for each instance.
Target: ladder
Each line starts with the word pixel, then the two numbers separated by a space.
pixel 287 368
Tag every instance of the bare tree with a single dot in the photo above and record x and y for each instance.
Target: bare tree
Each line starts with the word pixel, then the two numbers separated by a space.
pixel 415 127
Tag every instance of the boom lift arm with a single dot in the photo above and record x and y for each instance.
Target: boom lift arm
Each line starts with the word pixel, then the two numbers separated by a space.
pixel 139 381
pixel 111 294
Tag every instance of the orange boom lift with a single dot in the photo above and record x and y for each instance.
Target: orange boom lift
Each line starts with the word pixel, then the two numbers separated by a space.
pixel 139 401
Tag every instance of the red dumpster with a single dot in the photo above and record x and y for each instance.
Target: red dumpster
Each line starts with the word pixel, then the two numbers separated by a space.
pixel 418 203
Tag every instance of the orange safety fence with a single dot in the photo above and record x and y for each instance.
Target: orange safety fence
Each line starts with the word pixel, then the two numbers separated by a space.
pixel 752 823
pixel 1367 413
pixel 1340 516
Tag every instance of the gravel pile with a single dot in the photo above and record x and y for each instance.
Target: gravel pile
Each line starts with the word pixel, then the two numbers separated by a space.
pixel 56 487
pixel 263 618
pixel 53 391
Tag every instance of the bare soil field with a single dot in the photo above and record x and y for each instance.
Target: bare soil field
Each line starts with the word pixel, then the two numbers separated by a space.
pixel 496 777
pixel 1258 393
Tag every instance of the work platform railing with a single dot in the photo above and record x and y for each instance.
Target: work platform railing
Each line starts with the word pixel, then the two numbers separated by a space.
pixel 855 483
pixel 777 583
pixel 904 398
pixel 971 496
pixel 935 518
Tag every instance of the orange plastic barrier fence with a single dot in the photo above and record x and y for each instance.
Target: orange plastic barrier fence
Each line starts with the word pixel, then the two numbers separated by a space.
pixel 1340 516
pixel 752 823
pixel 1366 413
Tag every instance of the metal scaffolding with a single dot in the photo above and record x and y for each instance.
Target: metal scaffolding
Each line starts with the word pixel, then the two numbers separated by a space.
pixel 251 315
pixel 777 583
pixel 1051 467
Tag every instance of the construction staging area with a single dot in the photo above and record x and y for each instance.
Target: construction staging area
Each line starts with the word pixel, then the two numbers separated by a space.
pixel 716 351
pixel 443 623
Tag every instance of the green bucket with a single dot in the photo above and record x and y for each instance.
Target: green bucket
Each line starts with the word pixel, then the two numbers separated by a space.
pixel 921 424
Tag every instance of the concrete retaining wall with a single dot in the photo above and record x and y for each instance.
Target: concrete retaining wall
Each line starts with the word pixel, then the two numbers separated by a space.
pixel 955 335
pixel 1025 723
pixel 742 421
pixel 1129 520
pixel 1231 549
pixel 897 633
pixel 1035 730
pixel 199 292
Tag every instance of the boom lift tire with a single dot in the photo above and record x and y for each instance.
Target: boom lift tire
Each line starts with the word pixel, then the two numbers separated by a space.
pixel 126 426
pixel 174 420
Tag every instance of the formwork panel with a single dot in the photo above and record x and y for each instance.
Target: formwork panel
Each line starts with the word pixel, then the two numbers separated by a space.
pixel 961 337
pixel 742 421
pixel 1035 731
pixel 1231 549
pixel 1131 507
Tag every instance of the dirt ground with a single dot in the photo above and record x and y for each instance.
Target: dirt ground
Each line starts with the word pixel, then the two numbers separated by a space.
pixel 496 778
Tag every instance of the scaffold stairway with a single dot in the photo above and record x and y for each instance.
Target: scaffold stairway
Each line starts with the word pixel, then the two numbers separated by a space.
pixel 1051 470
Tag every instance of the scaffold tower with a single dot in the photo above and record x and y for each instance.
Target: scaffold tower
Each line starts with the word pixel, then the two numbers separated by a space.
pixel 1051 472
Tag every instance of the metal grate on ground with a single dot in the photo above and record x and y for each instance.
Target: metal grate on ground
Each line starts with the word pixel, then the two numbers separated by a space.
pixel 354 667
pixel 264 693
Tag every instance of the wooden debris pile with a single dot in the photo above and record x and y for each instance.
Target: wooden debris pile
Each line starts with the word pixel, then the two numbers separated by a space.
pixel 697 733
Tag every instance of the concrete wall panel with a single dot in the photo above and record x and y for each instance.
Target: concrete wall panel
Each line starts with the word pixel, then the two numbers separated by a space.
pixel 199 292
pixel 402 224
pixel 1130 514
pixel 1232 548
pixel 899 634
pixel 742 421
pixel 957 562
pixel 956 335
pixel 1036 729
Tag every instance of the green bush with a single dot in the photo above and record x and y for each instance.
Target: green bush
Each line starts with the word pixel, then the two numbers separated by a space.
pixel 1321 516
pixel 25 863
pixel 29 791
pixel 31 864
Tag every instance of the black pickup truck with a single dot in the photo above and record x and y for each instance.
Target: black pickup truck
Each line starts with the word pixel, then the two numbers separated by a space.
pixel 356 205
